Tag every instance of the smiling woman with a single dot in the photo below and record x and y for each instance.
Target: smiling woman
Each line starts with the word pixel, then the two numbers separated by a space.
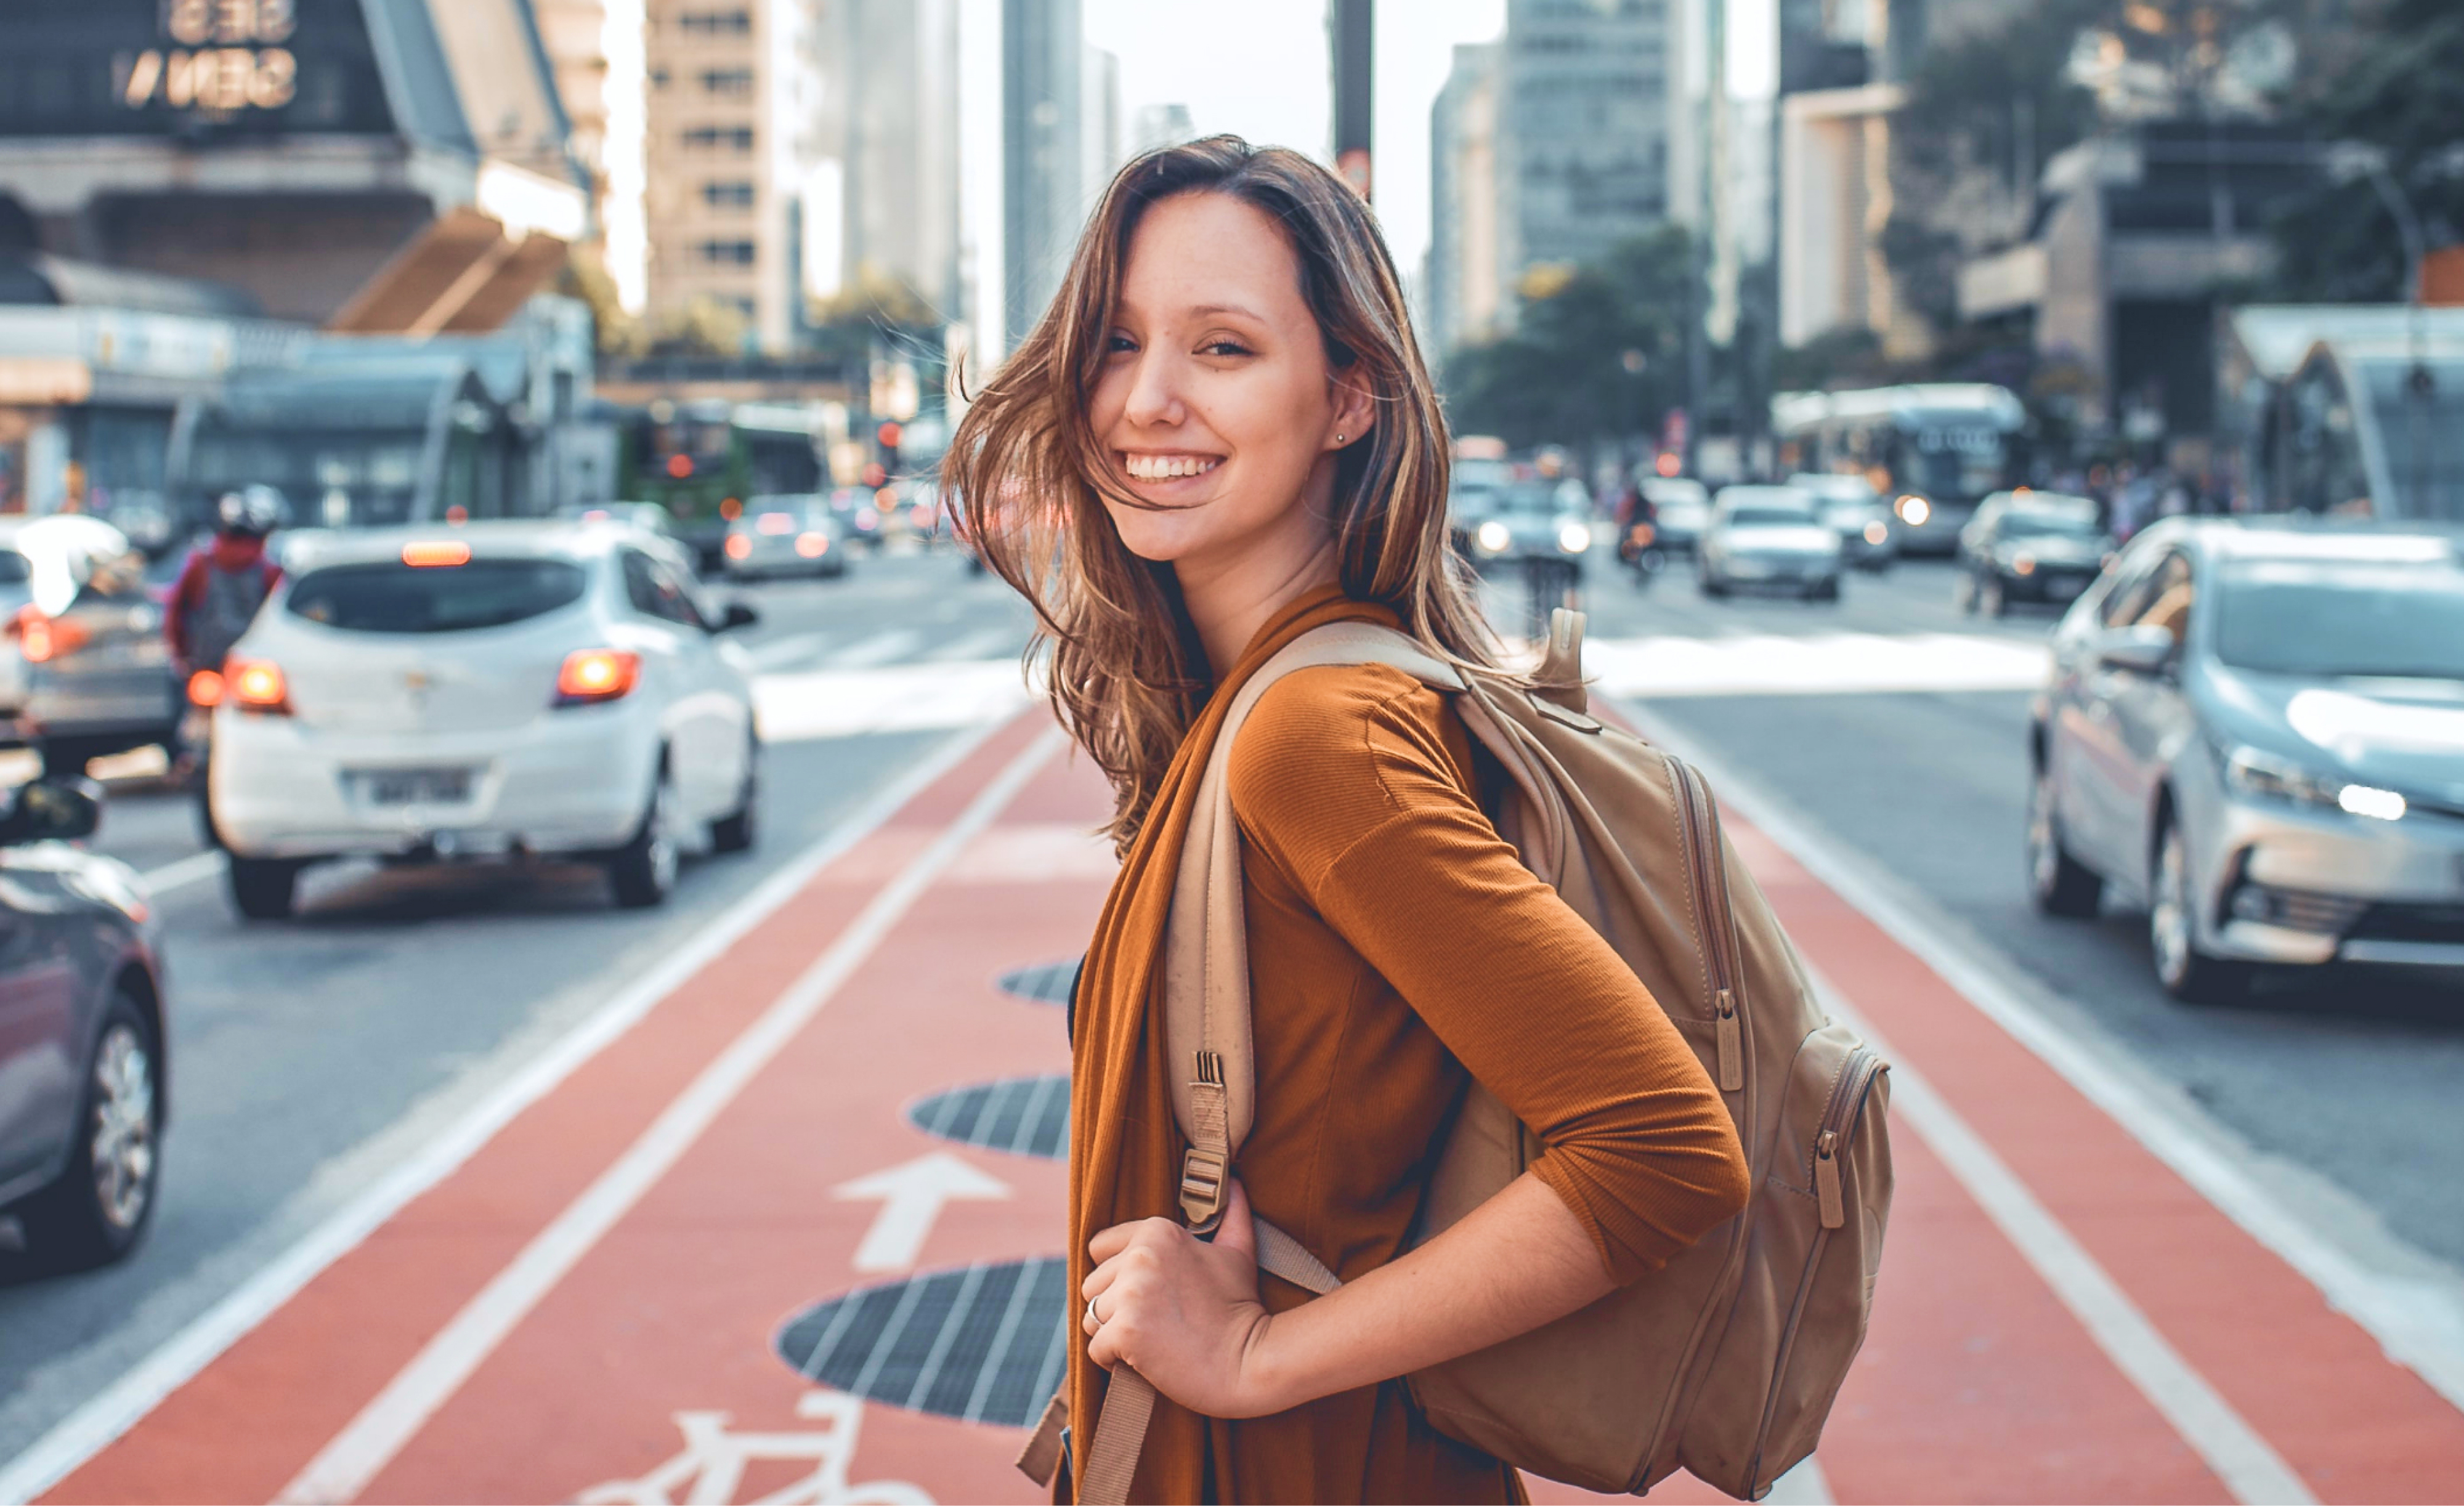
pixel 1220 440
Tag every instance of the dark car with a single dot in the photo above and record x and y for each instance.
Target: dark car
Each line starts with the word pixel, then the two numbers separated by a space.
pixel 85 1081
pixel 2029 546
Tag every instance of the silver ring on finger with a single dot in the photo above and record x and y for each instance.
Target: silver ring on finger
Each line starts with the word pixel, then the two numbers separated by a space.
pixel 1092 1315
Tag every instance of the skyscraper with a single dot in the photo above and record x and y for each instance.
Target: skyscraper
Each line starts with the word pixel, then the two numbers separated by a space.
pixel 1042 156
pixel 730 158
pixel 1584 116
pixel 892 121
pixel 1465 280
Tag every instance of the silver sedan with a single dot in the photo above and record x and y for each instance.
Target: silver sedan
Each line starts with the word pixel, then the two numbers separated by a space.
pixel 1770 538
pixel 2257 730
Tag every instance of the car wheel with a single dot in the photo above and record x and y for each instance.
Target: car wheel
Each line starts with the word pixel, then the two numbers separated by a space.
pixel 263 889
pixel 736 831
pixel 2059 883
pixel 103 1200
pixel 1825 591
pixel 643 872
pixel 2186 973
pixel 1709 584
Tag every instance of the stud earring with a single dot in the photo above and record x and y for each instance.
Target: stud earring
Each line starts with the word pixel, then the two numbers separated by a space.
pixel 1338 439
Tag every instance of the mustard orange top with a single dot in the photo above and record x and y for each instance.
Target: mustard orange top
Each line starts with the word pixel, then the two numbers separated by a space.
pixel 1398 950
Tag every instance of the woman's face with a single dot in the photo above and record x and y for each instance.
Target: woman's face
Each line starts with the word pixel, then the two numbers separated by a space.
pixel 1215 404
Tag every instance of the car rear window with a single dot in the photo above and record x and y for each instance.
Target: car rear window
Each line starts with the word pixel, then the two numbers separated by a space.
pixel 388 597
pixel 1769 516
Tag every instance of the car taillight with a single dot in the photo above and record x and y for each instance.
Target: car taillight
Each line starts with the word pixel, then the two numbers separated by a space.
pixel 435 553
pixel 595 674
pixel 258 685
pixel 206 689
pixel 739 547
pixel 812 546
pixel 41 639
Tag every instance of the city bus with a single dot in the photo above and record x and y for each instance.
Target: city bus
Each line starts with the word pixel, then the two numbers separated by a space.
pixel 695 458
pixel 1936 449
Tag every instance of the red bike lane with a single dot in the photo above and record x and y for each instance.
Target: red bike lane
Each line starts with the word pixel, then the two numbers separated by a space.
pixel 790 1238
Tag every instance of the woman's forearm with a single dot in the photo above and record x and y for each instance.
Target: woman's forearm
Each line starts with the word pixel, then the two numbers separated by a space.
pixel 1518 1261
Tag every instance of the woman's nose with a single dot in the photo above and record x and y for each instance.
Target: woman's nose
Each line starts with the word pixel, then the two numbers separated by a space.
pixel 1154 392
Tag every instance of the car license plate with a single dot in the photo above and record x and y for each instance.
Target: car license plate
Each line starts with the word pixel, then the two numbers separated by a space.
pixel 414 786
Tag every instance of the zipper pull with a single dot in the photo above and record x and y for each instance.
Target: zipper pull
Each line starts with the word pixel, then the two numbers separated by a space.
pixel 1826 1180
pixel 1732 1042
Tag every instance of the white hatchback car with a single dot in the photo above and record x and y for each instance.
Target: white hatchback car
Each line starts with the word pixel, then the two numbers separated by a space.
pixel 493 689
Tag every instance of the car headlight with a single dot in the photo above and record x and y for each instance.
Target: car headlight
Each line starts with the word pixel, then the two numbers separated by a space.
pixel 1914 510
pixel 1494 536
pixel 2250 772
pixel 1878 532
pixel 1573 539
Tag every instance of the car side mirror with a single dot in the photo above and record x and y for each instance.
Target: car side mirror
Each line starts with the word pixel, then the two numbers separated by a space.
pixel 737 613
pixel 2142 649
pixel 52 810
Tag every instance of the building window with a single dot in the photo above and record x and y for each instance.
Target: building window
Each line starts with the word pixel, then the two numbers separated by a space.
pixel 733 195
pixel 715 23
pixel 725 254
pixel 733 84
pixel 721 138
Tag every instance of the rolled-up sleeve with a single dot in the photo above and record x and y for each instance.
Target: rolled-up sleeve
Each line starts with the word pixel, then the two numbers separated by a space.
pixel 1343 779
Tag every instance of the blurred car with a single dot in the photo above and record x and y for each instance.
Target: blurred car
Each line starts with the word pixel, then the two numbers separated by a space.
pixel 2256 729
pixel 780 536
pixel 1858 513
pixel 859 514
pixel 1682 509
pixel 1473 486
pixel 1768 536
pixel 85 1078
pixel 2029 546
pixel 649 517
pixel 490 690
pixel 85 670
pixel 1534 520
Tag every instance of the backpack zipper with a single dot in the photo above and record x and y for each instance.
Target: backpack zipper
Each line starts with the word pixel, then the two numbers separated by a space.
pixel 1699 819
pixel 1847 1097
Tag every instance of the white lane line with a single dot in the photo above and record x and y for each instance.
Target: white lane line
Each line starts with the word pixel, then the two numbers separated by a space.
pixel 878 650
pixel 182 873
pixel 785 651
pixel 2246 1464
pixel 2416 1318
pixel 345 1466
pixel 1805 1485
pixel 112 1411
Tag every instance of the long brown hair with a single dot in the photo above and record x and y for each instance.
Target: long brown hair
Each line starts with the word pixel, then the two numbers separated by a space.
pixel 1127 671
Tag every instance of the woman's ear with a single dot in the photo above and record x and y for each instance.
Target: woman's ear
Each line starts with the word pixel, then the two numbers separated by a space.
pixel 1355 406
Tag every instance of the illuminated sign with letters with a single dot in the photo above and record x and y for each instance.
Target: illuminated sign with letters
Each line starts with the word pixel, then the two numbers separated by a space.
pixel 229 57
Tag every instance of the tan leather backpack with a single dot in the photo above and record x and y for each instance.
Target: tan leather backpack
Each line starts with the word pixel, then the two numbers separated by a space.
pixel 1725 1361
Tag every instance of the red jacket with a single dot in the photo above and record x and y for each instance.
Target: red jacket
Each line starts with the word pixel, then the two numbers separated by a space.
pixel 228 555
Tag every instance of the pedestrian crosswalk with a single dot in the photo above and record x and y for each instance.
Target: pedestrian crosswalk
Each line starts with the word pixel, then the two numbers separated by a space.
pixel 896 681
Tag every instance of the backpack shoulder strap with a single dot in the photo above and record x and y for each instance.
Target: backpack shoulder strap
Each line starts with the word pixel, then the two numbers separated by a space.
pixel 1206 958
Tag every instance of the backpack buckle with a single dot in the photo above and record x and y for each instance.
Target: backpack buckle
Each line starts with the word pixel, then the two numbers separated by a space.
pixel 1202 1188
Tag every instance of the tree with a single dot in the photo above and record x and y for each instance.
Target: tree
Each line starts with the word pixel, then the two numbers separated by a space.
pixel 2389 81
pixel 1597 351
pixel 703 327
pixel 585 276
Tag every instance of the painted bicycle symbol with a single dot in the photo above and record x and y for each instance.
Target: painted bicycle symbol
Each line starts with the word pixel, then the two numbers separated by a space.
pixel 713 1463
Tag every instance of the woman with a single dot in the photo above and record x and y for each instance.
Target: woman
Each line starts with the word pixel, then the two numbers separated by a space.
pixel 1220 436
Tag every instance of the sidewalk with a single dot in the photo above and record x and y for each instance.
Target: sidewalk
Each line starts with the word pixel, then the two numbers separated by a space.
pixel 631 1292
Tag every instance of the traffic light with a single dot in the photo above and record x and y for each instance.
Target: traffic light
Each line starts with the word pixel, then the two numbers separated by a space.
pixel 890 434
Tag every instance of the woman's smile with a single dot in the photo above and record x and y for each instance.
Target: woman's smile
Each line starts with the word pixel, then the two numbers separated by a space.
pixel 1152 466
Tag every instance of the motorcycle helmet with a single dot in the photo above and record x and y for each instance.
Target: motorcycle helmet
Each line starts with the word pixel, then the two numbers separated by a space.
pixel 251 512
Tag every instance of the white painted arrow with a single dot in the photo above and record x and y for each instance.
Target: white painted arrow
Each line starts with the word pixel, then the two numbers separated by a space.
pixel 912 1196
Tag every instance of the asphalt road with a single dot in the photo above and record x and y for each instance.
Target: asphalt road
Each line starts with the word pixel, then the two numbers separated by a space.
pixel 313 1057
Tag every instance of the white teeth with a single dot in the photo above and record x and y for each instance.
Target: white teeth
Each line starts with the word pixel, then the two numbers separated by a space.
pixel 1167 467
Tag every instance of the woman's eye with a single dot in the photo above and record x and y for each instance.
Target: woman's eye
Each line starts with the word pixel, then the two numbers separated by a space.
pixel 1224 347
pixel 1117 344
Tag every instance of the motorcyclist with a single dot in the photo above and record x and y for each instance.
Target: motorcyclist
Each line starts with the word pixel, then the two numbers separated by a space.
pixel 224 584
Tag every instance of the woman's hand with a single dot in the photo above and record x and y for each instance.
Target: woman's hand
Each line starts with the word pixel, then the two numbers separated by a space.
pixel 1183 1311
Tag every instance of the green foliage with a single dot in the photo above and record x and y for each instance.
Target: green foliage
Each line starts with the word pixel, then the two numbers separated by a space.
pixel 2392 80
pixel 1987 95
pixel 704 327
pixel 616 333
pixel 1567 373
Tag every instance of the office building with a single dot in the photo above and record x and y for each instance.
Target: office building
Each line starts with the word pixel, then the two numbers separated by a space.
pixel 1161 126
pixel 731 155
pixel 1464 285
pixel 1099 122
pixel 1043 161
pixel 1584 121
pixel 890 121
